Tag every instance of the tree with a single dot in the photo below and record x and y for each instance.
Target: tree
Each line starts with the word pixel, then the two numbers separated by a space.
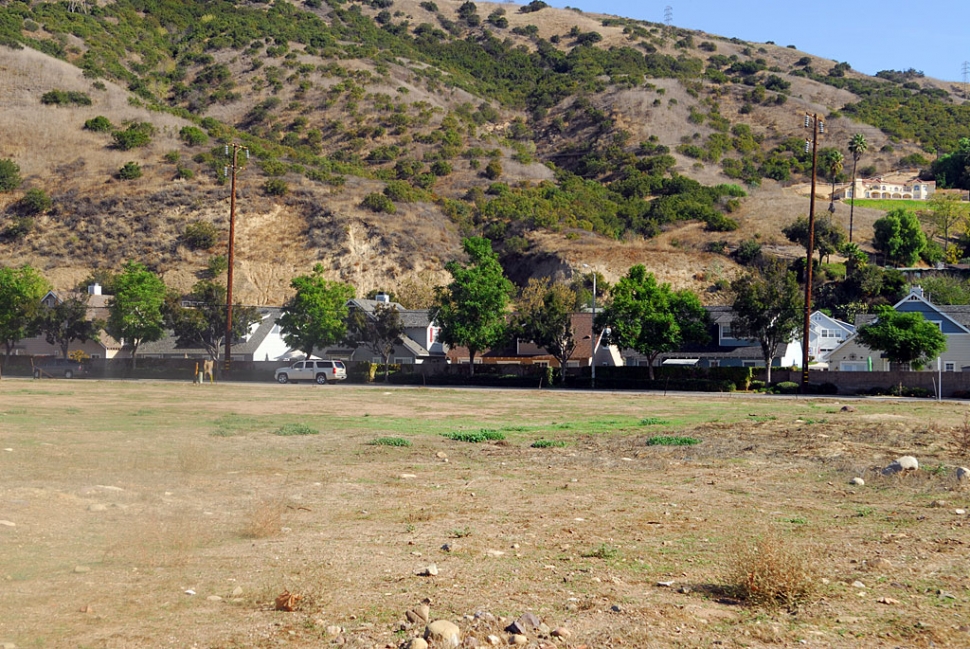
pixel 471 309
pixel 829 235
pixel 316 316
pixel 379 332
pixel 768 307
pixel 651 318
pixel 547 321
pixel 953 169
pixel 898 237
pixel 857 147
pixel 9 175
pixel 903 337
pixel 21 290
pixel 68 321
pixel 833 162
pixel 204 323
pixel 945 213
pixel 135 313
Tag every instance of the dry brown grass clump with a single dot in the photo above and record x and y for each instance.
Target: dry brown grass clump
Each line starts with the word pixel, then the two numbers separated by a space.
pixel 769 572
pixel 264 519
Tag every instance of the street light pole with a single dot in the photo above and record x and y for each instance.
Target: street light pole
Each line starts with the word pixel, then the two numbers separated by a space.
pixel 592 334
pixel 817 127
pixel 232 247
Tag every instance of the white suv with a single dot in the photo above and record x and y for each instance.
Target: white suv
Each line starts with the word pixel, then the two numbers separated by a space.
pixel 319 371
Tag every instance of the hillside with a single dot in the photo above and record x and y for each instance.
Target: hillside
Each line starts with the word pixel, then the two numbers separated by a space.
pixel 558 134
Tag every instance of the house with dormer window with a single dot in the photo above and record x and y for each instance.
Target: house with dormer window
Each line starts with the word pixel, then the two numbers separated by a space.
pixel 903 185
pixel 953 321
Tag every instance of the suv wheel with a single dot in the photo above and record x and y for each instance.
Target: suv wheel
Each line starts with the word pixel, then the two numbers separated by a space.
pixel 321 379
pixel 283 378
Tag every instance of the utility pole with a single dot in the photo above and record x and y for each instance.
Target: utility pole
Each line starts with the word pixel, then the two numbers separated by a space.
pixel 811 121
pixel 966 73
pixel 232 245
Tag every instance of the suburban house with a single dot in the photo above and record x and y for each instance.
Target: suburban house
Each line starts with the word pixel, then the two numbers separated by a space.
pixel 723 349
pixel 263 342
pixel 825 334
pixel 97 308
pixel 954 322
pixel 419 344
pixel 904 185
pixel 525 352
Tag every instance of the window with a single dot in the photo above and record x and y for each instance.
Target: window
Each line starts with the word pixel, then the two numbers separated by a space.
pixel 949 366
pixel 726 331
pixel 404 360
pixel 714 363
pixel 750 364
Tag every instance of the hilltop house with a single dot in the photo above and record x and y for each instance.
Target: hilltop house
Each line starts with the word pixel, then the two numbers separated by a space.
pixel 954 322
pixel 903 185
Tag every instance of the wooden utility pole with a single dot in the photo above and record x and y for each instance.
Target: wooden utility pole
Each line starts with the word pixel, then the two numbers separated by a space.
pixel 817 126
pixel 232 247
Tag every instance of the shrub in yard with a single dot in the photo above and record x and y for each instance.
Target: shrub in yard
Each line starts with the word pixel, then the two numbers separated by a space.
pixel 130 171
pixel 475 436
pixel 100 124
pixel 295 429
pixel 785 387
pixel 391 441
pixel 771 572
pixel 200 235
pixel 672 440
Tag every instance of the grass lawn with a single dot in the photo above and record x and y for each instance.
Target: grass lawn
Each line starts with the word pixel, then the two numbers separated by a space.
pixel 148 514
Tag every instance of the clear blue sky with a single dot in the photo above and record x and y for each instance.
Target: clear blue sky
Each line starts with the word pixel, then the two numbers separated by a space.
pixel 869 35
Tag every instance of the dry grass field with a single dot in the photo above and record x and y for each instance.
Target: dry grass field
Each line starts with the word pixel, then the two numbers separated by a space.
pixel 142 514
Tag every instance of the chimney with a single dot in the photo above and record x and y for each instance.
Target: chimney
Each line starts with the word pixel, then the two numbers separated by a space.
pixel 383 297
pixel 94 289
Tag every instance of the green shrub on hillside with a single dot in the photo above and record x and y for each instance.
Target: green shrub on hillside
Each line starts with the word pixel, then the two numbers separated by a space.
pixel 65 98
pixel 193 136
pixel 130 171
pixel 136 135
pixel 9 175
pixel 99 124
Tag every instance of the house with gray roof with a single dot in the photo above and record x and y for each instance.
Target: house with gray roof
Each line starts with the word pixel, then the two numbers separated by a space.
pixel 263 342
pixel 953 320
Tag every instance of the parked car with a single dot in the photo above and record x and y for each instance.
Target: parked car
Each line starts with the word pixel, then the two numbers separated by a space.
pixel 314 370
pixel 59 367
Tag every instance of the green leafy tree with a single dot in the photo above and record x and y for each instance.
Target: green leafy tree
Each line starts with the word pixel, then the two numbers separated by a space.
pixel 829 235
pixel 203 324
pixel 471 309
pixel 136 311
pixel 903 337
pixel 858 145
pixel 316 315
pixel 945 213
pixel 651 318
pixel 9 175
pixel 379 332
pixel 898 237
pixel 68 321
pixel 21 290
pixel 547 321
pixel 768 307
pixel 953 169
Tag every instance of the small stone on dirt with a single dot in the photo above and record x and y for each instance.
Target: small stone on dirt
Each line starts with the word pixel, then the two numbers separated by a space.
pixel 214 598
pixel 847 409
pixel 443 633
pixel 904 463
pixel 959 512
pixel 887 600
pixel 8 524
pixel 858 584
pixel 493 640
pixel 518 640
pixel 417 643
pixel 963 473
pixel 938 503
pixel 859 482
pixel 880 564
pixel 665 584
pixel 430 571
pixel 561 632
pixel 97 507
pixel 333 630
pixel 81 569
pixel 237 591
pixel 407 476
pixel 526 622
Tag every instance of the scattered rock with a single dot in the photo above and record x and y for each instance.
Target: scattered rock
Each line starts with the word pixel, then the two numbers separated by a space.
pixel 470 642
pixel 419 613
pixel 8 524
pixel 963 473
pixel 665 584
pixel 887 600
pixel 430 571
pixel 684 590
pixel 859 482
pixel 938 503
pixel 518 640
pixel 446 547
pixel 945 595
pixel 616 608
pixel 441 455
pixel 880 564
pixel 526 622
pixel 407 476
pixel 333 630
pixel 214 598
pixel 847 409
pixel 959 512
pixel 417 643
pixel 81 569
pixel 494 553
pixel 561 632
pixel 237 591
pixel 443 633
pixel 97 507
pixel 858 584
pixel 904 463
pixel 7 645
pixel 87 608
pixel 493 640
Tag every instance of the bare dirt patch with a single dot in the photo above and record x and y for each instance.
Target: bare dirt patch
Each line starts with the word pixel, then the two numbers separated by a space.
pixel 153 514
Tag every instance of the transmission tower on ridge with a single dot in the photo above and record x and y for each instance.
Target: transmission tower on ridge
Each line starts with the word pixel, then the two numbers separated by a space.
pixel 966 73
pixel 78 6
pixel 668 15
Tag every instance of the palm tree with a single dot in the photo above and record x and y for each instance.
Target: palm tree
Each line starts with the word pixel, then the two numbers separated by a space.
pixel 857 146
pixel 834 163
